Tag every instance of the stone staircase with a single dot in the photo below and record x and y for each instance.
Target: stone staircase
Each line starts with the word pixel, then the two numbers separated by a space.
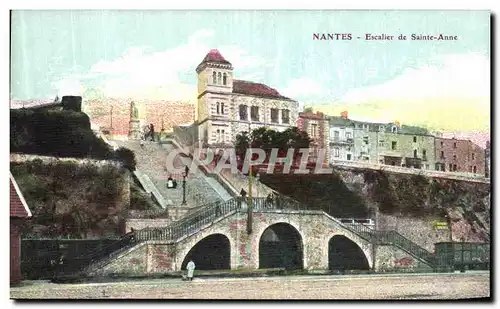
pixel 151 161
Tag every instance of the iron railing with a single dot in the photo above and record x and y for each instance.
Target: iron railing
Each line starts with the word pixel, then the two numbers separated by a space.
pixel 398 240
pixel 192 222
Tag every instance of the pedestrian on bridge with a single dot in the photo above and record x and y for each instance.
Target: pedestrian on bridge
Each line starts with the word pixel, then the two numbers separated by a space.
pixel 190 270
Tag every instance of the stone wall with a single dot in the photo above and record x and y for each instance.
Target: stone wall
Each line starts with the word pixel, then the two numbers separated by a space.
pixel 131 263
pixel 114 114
pixel 390 258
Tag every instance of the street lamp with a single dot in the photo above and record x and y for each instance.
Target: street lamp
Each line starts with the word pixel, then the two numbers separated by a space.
pixel 184 175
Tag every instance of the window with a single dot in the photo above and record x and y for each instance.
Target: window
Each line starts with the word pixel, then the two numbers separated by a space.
pixel 214 78
pixel 424 154
pixel 394 129
pixel 274 115
pixel 285 116
pixel 366 127
pixel 474 169
pixel 348 135
pixel 217 137
pixel 381 128
pixel 218 108
pixel 473 156
pixel 442 144
pixel 314 129
pixel 224 79
pixel 442 154
pixel 454 157
pixel 394 145
pixel 381 143
pixel 365 140
pixel 243 112
pixel 454 167
pixel 222 108
pixel 455 145
pixel 254 113
pixel 336 136
pixel 415 153
pixel 222 136
pixel 219 77
pixel 336 152
pixel 414 139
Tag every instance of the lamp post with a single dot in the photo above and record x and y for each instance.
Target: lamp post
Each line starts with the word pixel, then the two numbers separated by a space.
pixel 184 175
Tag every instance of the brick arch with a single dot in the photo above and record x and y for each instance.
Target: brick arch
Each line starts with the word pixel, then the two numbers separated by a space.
pixel 184 247
pixel 260 234
pixel 357 240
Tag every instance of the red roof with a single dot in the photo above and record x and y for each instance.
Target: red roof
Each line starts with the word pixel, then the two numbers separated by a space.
pixel 214 56
pixel 256 89
pixel 18 206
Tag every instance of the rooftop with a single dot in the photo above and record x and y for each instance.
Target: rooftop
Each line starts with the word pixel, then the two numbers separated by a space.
pixel 257 89
pixel 18 206
pixel 214 56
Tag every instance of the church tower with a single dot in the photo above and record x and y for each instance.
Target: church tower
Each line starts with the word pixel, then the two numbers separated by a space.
pixel 215 86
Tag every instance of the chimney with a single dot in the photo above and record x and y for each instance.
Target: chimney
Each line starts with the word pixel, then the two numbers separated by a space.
pixel 344 115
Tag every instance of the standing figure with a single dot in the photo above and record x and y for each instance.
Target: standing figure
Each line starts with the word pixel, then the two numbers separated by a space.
pixel 190 270
pixel 152 131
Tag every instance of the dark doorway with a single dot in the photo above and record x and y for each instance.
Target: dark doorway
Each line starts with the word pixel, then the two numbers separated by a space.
pixel 344 254
pixel 280 246
pixel 211 253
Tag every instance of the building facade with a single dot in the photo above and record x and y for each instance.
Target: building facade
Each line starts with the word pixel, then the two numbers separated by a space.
pixel 317 127
pixel 19 211
pixel 380 143
pixel 341 138
pixel 227 106
pixel 457 155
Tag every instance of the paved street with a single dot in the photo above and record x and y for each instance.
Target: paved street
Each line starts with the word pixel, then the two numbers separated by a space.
pixel 426 286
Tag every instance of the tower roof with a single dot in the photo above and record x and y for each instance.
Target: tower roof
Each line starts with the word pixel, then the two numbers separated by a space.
pixel 213 56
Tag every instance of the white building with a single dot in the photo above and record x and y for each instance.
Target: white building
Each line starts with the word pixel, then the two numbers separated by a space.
pixel 227 106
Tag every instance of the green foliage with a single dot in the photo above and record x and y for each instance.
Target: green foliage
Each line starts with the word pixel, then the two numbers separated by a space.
pixel 308 110
pixel 127 157
pixel 139 200
pixel 69 199
pixel 268 139
pixel 55 133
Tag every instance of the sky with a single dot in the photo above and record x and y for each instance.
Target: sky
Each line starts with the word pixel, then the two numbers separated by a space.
pixel 443 85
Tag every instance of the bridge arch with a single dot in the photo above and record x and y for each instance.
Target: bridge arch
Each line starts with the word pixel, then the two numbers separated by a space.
pixel 281 246
pixel 345 254
pixel 210 253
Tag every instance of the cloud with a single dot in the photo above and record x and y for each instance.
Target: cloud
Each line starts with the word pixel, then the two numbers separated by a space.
pixel 143 72
pixel 452 93
pixel 301 87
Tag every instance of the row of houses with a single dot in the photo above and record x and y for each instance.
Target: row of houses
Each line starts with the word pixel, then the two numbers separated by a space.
pixel 391 144
pixel 227 106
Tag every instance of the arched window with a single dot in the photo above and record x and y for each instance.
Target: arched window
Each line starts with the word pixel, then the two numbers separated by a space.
pixel 218 108
pixel 415 153
pixel 222 108
pixel 219 77
pixel 222 136
pixel 214 78
pixel 224 79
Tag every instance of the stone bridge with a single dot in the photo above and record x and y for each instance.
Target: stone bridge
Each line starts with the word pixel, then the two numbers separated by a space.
pixel 291 239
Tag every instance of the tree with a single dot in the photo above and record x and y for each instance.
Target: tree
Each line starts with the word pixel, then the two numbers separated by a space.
pixel 267 139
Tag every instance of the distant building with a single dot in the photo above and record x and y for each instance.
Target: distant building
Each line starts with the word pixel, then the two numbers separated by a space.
pixel 227 106
pixel 19 211
pixel 387 143
pixel 457 155
pixel 316 126
pixel 341 138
